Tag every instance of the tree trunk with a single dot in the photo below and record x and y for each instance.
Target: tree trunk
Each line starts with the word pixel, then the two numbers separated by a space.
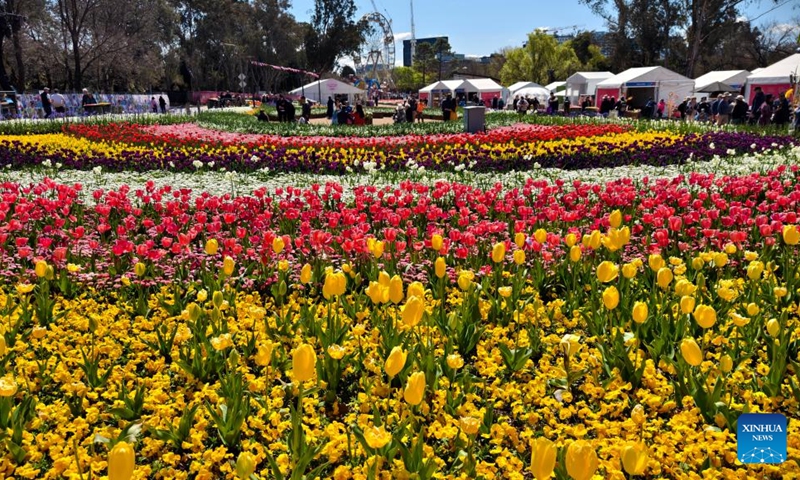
pixel 76 57
pixel 19 59
pixel 5 84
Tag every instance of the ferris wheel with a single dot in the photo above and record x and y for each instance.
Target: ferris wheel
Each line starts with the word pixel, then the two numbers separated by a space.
pixel 375 58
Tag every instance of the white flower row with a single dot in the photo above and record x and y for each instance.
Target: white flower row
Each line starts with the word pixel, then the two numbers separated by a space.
pixel 222 182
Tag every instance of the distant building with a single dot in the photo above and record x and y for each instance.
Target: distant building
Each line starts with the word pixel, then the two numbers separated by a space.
pixel 407 60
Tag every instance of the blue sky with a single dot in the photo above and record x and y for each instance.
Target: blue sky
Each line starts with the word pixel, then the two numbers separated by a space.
pixel 479 27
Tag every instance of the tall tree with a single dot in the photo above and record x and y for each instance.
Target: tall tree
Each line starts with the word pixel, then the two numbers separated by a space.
pixel 424 58
pixel 442 50
pixel 332 33
pixel 541 59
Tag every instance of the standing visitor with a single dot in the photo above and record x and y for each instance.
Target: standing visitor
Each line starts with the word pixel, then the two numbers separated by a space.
pixel 662 105
pixel 153 105
pixel 448 106
pixel 765 111
pixel 421 110
pixel 522 107
pixel 724 113
pixel 305 109
pixel 755 108
pixel 329 112
pixel 552 104
pixel 739 112
pixel 411 109
pixel 46 105
pixel 58 102
pixel 162 103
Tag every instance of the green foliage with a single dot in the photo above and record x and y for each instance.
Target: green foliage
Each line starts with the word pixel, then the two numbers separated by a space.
pixel 333 32
pixel 540 60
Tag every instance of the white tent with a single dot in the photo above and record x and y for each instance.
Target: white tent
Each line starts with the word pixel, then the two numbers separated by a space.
pixel 644 83
pixel 733 78
pixel 539 92
pixel 486 88
pixel 510 92
pixel 320 90
pixel 556 86
pixel 773 79
pixel 584 83
pixel 434 92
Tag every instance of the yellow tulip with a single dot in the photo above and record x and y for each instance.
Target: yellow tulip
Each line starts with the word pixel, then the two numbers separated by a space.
pixel 227 266
pixel 629 270
pixel 519 257
pixel 687 304
pixel 377 437
pixel 730 248
pixel 505 292
pixel 245 465
pixel 335 284
pixel 753 309
pixel 655 261
pixel 634 458
pixel 684 287
pixel 755 269
pixel 264 354
pixel 571 344
pixel 726 363
pixel 455 361
pixel 581 460
pixel 377 250
pixel 664 277
pixel 705 316
pixel 615 219
pixel 415 388
pixel 691 352
pixel 780 291
pixel 543 458
pixel 212 246
pixel 278 245
pixel 639 312
pixel 791 236
pixel 519 239
pixel 638 415
pixel 140 269
pixel 540 235
pixel 305 273
pixel 470 425
pixel 720 259
pixel 436 242
pixel 3 347
pixel 384 279
pixel 607 271
pixel 773 328
pixel 498 252
pixel 575 253
pixel 595 240
pixel 412 311
pixel 396 289
pixel 416 289
pixel 194 311
pixel 395 362
pixel 217 299
pixel 465 279
pixel 697 263
pixel 611 297
pixel 440 267
pixel 40 269
pixel 121 462
pixel 304 361
pixel 376 293
pixel 570 240
pixel 739 320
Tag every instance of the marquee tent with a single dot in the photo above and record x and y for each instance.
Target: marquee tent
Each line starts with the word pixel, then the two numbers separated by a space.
pixel 584 83
pixel 486 88
pixel 434 92
pixel 643 83
pixel 773 79
pixel 712 81
pixel 556 86
pixel 320 90
pixel 539 92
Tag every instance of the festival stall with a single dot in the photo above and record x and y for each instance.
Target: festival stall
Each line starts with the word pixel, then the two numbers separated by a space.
pixel 774 79
pixel 320 90
pixel 433 93
pixel 644 83
pixel 486 88
pixel 721 81
pixel 584 83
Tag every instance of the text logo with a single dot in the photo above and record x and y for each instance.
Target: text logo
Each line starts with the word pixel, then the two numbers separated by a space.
pixel 761 438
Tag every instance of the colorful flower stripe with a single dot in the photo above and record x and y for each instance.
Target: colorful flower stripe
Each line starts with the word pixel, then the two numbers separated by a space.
pixel 630 148
pixel 618 329
pixel 168 227
pixel 193 135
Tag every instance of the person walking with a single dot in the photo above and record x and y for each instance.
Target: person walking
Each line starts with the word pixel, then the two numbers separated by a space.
pixel 329 113
pixel 58 102
pixel 46 105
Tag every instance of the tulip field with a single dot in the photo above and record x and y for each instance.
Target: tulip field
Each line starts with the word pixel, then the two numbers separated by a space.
pixel 570 301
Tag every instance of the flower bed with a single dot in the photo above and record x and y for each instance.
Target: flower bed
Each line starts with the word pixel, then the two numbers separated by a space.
pixel 620 327
pixel 189 148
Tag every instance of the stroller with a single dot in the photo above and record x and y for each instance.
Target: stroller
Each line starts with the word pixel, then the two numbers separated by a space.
pixel 399 114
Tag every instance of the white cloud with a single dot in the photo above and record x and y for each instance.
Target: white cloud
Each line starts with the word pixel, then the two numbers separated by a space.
pixel 399 37
pixel 783 28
